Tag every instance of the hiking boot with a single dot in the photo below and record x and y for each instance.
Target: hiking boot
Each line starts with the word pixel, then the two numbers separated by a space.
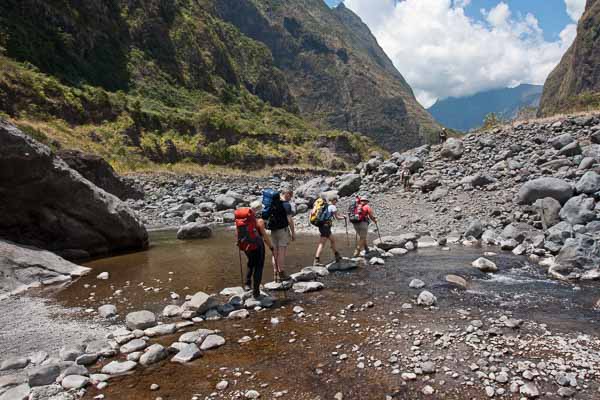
pixel 356 253
pixel 283 276
pixel 247 287
pixel 256 295
pixel 317 263
pixel 338 257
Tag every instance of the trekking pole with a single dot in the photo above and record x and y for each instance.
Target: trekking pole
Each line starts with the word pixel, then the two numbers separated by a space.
pixel 241 272
pixel 347 236
pixel 378 232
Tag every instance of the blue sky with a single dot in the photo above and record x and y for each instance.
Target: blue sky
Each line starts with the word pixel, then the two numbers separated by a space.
pixel 458 48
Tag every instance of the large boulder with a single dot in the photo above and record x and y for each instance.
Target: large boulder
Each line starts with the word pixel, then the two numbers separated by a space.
pixel 140 320
pixel 194 230
pixel 453 148
pixel 413 164
pixel 582 252
pixel 578 210
pixel 312 189
pixel 589 183
pixel 22 267
pixel 96 170
pixel 541 188
pixel 561 141
pixel 226 202
pixel 47 204
pixel 349 184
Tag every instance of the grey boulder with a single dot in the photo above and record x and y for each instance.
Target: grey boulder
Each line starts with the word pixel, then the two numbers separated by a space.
pixel 589 183
pixel 349 184
pixel 187 353
pixel 578 210
pixel 153 354
pixel 194 230
pixel 118 368
pixel 549 210
pixel 453 148
pixel 73 215
pixel 43 375
pixel 140 320
pixel 541 188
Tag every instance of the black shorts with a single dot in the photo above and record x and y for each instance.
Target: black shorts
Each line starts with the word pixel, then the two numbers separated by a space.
pixel 325 230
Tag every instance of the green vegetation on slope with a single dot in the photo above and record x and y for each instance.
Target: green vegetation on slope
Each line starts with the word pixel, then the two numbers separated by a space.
pixel 154 82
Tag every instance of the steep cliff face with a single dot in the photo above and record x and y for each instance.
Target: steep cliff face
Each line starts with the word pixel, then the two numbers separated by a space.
pixel 338 74
pixel 575 83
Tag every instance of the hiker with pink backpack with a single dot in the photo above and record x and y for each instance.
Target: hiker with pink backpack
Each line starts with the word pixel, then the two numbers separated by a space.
pixel 360 214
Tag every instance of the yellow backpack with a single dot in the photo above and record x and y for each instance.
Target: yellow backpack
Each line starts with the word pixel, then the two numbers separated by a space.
pixel 316 215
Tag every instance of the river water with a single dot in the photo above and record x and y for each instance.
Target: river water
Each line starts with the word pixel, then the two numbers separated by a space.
pixel 293 355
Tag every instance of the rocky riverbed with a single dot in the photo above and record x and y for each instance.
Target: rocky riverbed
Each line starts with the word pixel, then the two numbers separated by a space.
pixel 482 286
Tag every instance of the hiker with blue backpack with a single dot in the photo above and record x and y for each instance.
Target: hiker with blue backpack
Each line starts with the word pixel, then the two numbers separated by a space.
pixel 322 215
pixel 360 215
pixel 279 218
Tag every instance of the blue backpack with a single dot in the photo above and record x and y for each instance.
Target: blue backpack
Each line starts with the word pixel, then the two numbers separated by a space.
pixel 273 211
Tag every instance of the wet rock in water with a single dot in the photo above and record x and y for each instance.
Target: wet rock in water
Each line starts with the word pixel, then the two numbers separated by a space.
pixel 87 359
pixel 194 230
pixel 319 271
pixel 134 345
pixel 344 264
pixel 262 301
pixel 581 252
pixel 390 242
pixel 172 310
pixel 426 298
pixel 160 330
pixel 591 275
pixel 484 265
pixel 43 375
pixel 304 276
pixel 195 336
pixel 508 244
pixel 305 287
pixel 239 314
pixel 578 210
pixel 453 148
pixel 251 394
pixel 107 311
pixel 232 291
pixel 103 276
pixel 426 241
pixel 14 363
pixel 74 382
pixel 93 222
pixel 398 252
pixel 140 320
pixel 529 390
pixel 416 284
pixel 20 392
pixel 153 354
pixel 212 342
pixel 118 368
pixel 457 280
pixel 376 261
pixel 349 184
pixel 188 353
pixel 282 285
pixel 541 188
pixel 200 303
pixel 24 267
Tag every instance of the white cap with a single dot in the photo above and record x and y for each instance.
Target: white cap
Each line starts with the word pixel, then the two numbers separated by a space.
pixel 256 205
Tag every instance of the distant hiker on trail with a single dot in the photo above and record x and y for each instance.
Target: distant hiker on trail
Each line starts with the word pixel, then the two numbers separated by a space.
pixel 322 216
pixel 251 239
pixel 361 214
pixel 443 135
pixel 405 177
pixel 279 216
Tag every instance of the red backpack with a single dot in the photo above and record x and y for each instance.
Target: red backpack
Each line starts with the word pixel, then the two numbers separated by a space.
pixel 356 213
pixel 246 230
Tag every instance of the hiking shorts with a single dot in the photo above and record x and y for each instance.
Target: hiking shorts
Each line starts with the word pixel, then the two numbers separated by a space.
pixel 325 230
pixel 362 229
pixel 280 237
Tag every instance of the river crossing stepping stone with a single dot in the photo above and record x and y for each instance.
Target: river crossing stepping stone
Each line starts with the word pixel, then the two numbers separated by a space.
pixel 212 342
pixel 344 264
pixel 134 345
pixel 195 336
pixel 306 287
pixel 188 353
pixel 107 311
pixel 153 354
pixel 484 265
pixel 140 320
pixel 74 382
pixel 161 330
pixel 118 368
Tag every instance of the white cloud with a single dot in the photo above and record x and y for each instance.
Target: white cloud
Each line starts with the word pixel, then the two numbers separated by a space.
pixel 575 8
pixel 441 52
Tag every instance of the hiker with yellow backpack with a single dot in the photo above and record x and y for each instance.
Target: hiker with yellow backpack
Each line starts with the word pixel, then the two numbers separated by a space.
pixel 322 216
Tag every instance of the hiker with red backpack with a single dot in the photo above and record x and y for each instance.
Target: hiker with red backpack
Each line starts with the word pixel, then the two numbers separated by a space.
pixel 278 214
pixel 322 215
pixel 251 239
pixel 360 215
